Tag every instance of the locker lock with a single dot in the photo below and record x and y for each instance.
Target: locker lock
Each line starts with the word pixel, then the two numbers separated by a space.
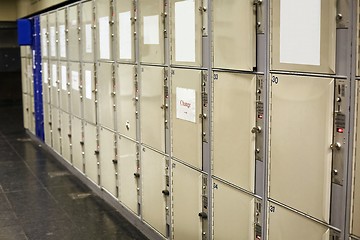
pixel 166 192
pixel 336 146
pixel 203 215
pixel 96 152
pixel 256 129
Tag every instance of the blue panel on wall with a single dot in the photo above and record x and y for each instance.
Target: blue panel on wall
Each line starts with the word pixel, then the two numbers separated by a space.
pixel 24 28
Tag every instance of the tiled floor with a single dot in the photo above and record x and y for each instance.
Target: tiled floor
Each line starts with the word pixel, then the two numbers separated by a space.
pixel 40 199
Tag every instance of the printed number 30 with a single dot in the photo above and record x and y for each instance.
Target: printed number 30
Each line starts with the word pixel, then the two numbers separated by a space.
pixel 275 79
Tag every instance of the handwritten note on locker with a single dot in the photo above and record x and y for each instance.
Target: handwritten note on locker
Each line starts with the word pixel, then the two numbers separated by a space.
pixel 151 29
pixel 104 37
pixel 62 41
pixel 88 83
pixel 54 75
pixel 88 38
pixel 75 80
pixel 44 42
pixel 125 45
pixel 52 42
pixel 185 31
pixel 186 104
pixel 45 72
pixel 63 78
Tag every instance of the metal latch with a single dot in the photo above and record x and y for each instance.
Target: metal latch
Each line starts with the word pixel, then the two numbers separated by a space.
pixel 342 13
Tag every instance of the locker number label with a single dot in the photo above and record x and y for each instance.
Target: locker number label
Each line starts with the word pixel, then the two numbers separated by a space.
pixel 275 79
pixel 272 208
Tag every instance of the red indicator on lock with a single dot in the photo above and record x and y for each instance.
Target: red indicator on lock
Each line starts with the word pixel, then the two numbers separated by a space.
pixel 340 130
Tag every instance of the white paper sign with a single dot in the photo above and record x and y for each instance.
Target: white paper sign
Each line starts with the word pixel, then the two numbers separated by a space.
pixel 75 80
pixel 185 31
pixel 54 75
pixel 63 78
pixel 299 32
pixel 186 104
pixel 44 42
pixel 52 42
pixel 62 41
pixel 104 38
pixel 125 45
pixel 88 38
pixel 45 72
pixel 88 87
pixel 151 29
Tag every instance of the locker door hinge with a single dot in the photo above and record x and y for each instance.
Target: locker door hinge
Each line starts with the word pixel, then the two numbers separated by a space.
pixel 257 130
pixel 205 16
pixel 342 13
pixel 334 235
pixel 258 219
pixel 259 12
pixel 205 103
pixel 164 15
pixel 205 212
pixel 166 193
pixel 166 97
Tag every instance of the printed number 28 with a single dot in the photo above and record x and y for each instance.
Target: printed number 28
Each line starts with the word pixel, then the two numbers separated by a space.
pixel 275 79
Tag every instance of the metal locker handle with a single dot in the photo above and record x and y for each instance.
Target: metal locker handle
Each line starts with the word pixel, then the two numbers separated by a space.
pixel 166 192
pixel 256 129
pixel 336 146
pixel 203 215
pixel 137 175
pixel 115 161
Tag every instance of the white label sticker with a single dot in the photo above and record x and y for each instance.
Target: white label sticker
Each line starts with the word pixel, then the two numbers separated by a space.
pixel 185 31
pixel 52 41
pixel 54 75
pixel 75 80
pixel 44 42
pixel 299 32
pixel 88 87
pixel 186 104
pixel 151 29
pixel 125 45
pixel 88 38
pixel 104 36
pixel 62 41
pixel 45 72
pixel 63 78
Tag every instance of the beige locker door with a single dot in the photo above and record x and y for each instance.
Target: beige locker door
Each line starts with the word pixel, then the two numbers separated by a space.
pixel 76 91
pixel 104 30
pixel 32 115
pixel 151 31
pixel 151 107
pixel 125 28
pixel 108 168
pixel 87 33
pixel 301 134
pixel 64 87
pixel 187 202
pixel 62 31
pixel 127 167
pixel 186 32
pixel 44 34
pixel 55 128
pixel 105 87
pixel 125 100
pixel 52 36
pixel 186 108
pixel 90 146
pixel 65 136
pixel 30 76
pixel 73 33
pixel 45 78
pixel 284 224
pixel 54 70
pixel 47 127
pixel 303 42
pixel 153 183
pixel 234 144
pixel 234 32
pixel 25 100
pixel 76 139
pixel 24 74
pixel 89 92
pixel 233 213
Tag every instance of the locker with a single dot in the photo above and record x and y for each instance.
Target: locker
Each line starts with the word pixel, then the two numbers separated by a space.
pixel 234 40
pixel 47 126
pixel 73 33
pixel 30 76
pixel 151 31
pixel 55 129
pixel 186 108
pixel 23 51
pixel 233 213
pixel 301 105
pixel 76 91
pixel 90 146
pixel 87 33
pixel 65 136
pixel 234 147
pixel 285 224
pixel 105 87
pixel 52 36
pixel 45 85
pixel 64 87
pixel 127 167
pixel 61 31
pixel 54 84
pixel 76 143
pixel 187 202
pixel 125 28
pixel 186 32
pixel 25 99
pixel 24 75
pixel 104 19
pixel 152 117
pixel 303 42
pixel 89 96
pixel 153 183
pixel 44 34
pixel 107 159
pixel 125 100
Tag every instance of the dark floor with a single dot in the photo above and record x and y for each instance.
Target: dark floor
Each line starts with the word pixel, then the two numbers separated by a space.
pixel 40 199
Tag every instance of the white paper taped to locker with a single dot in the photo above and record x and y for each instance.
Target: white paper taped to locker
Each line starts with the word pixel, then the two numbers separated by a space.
pixel 63 78
pixel 88 81
pixel 125 45
pixel 151 29
pixel 104 36
pixel 88 38
pixel 75 80
pixel 186 104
